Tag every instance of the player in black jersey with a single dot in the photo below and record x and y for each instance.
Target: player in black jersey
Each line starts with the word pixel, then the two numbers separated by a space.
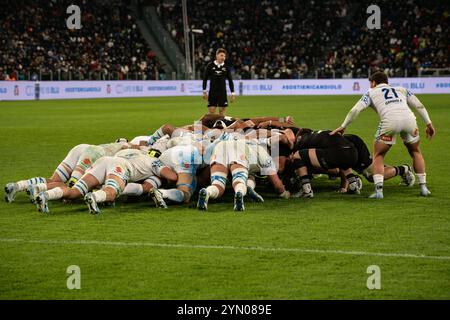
pixel 319 151
pixel 364 164
pixel 217 72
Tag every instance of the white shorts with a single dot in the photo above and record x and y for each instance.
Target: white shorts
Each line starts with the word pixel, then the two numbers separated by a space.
pixel 182 159
pixel 110 165
pixel 229 152
pixel 388 129
pixel 74 155
pixel 89 156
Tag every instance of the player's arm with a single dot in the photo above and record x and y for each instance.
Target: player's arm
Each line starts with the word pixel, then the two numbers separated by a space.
pixel 278 186
pixel 231 84
pixel 274 123
pixel 362 104
pixel 414 103
pixel 205 80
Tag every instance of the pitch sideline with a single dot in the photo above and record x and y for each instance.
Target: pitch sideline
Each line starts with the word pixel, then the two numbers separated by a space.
pixel 219 247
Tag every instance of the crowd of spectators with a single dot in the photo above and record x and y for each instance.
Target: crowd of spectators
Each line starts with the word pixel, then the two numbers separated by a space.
pixel 34 40
pixel 297 39
pixel 264 38
pixel 413 36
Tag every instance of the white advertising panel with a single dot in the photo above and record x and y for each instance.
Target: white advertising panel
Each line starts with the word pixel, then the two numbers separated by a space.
pixel 29 90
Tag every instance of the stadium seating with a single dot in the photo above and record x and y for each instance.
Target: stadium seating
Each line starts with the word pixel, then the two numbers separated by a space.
pixel 297 39
pixel 265 39
pixel 35 39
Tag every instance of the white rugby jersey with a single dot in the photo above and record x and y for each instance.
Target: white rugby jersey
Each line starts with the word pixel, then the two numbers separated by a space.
pixel 112 148
pixel 391 103
pixel 140 165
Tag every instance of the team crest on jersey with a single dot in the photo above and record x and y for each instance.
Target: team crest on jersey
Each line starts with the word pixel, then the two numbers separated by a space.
pixel 157 164
pixel 118 170
pixel 86 162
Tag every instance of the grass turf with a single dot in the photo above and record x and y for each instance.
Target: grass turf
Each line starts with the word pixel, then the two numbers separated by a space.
pixel 120 261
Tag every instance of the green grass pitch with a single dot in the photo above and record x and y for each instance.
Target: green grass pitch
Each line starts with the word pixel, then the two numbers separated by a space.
pixel 298 249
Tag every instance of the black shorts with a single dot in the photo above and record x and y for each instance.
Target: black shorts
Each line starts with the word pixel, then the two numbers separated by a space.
pixel 218 101
pixel 342 158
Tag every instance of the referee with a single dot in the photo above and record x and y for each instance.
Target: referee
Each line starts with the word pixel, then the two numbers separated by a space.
pixel 217 72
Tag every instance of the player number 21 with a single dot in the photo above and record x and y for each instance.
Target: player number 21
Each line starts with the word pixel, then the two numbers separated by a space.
pixel 386 93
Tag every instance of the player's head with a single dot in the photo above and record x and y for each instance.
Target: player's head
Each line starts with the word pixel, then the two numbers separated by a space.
pixel 221 54
pixel 377 78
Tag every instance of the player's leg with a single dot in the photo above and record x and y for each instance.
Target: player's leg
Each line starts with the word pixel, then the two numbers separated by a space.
pixel 303 159
pixel 87 158
pixel 12 188
pixel 138 189
pixel 113 187
pixel 239 176
pixel 62 173
pixel 222 111
pixel 419 166
pixel 404 171
pixel 212 104
pixel 216 189
pixel 162 131
pixel 251 185
pixel 223 104
pixel 380 149
pixel 185 187
pixel 86 183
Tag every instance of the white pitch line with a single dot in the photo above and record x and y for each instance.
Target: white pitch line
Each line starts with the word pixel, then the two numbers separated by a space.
pixel 218 247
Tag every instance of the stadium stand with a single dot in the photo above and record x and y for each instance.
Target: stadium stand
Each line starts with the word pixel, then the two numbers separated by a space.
pixel 34 39
pixel 298 39
pixel 265 39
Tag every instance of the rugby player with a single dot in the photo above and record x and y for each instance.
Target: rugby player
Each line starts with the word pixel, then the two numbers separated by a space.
pixel 393 105
pixel 78 160
pixel 114 173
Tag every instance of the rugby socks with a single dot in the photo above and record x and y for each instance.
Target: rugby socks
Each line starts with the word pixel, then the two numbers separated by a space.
pixel 155 136
pixel 133 189
pixel 353 185
pixel 40 187
pixel 99 196
pixel 77 175
pixel 213 192
pixel 173 195
pixel 400 170
pixel 54 194
pixel 305 182
pixel 378 181
pixel 251 184
pixel 423 184
pixel 240 187
pixel 422 178
pixel 240 177
pixel 23 184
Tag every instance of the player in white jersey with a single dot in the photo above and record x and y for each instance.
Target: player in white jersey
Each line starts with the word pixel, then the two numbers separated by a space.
pixel 112 172
pixel 184 157
pixel 78 160
pixel 393 105
pixel 154 150
pixel 238 157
